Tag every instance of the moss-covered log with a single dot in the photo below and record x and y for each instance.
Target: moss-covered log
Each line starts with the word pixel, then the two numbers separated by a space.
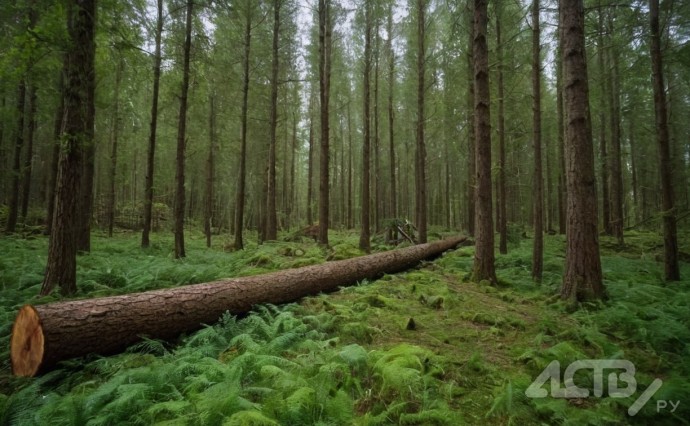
pixel 43 335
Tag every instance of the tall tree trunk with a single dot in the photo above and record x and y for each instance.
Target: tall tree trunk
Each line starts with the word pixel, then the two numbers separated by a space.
pixel 4 154
pixel 241 182
pixel 502 195
pixel 13 213
pixel 671 267
pixel 615 160
pixel 471 154
pixel 148 184
pixel 324 89
pixel 342 205
pixel 28 125
pixel 310 163
pixel 603 149
pixel 420 166
pixel 484 268
pixel 113 154
pixel 583 279
pixel 85 210
pixel 271 232
pixel 538 194
pixel 548 185
pixel 364 236
pixel 210 171
pixel 28 159
pixel 633 167
pixel 391 113
pixel 378 205
pixel 179 209
pixel 79 73
pixel 350 148
pixel 293 160
pixel 562 192
pixel 55 156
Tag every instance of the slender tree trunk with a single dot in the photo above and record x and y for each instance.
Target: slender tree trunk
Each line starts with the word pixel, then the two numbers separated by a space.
pixel 310 165
pixel 13 213
pixel 378 205
pixel 242 178
pixel 633 167
pixel 538 195
pixel 471 154
pixel 391 114
pixel 616 154
pixel 350 148
pixel 55 156
pixel 446 195
pixel 671 267
pixel 342 205
pixel 210 171
pixel 28 159
pixel 583 279
pixel 62 247
pixel 148 184
pixel 562 193
pixel 502 195
pixel 293 165
pixel 603 149
pixel 364 236
pixel 548 185
pixel 179 209
pixel 420 166
pixel 484 247
pixel 4 152
pixel 113 154
pixel 85 210
pixel 324 86
pixel 271 232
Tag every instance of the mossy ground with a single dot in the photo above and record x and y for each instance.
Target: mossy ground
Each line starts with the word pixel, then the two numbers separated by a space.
pixel 426 346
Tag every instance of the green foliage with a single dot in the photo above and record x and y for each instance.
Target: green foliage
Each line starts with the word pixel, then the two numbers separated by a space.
pixel 347 357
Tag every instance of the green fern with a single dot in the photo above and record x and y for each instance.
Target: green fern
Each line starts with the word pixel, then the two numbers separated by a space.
pixel 249 418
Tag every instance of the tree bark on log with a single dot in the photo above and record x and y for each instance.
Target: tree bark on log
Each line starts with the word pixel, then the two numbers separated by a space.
pixel 43 335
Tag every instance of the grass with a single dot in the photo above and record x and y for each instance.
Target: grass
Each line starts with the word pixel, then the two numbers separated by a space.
pixel 426 346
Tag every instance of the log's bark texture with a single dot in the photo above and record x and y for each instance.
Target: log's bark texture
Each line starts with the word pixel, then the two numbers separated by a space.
pixel 46 334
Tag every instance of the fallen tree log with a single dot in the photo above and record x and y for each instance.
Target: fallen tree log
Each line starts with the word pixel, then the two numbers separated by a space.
pixel 43 335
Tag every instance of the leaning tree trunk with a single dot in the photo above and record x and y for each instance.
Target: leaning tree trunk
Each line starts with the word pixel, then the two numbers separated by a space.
pixel 46 334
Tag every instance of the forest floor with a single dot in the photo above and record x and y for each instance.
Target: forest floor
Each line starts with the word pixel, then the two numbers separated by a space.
pixel 426 346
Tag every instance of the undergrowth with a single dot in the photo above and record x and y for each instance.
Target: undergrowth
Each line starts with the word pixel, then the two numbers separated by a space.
pixel 422 347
